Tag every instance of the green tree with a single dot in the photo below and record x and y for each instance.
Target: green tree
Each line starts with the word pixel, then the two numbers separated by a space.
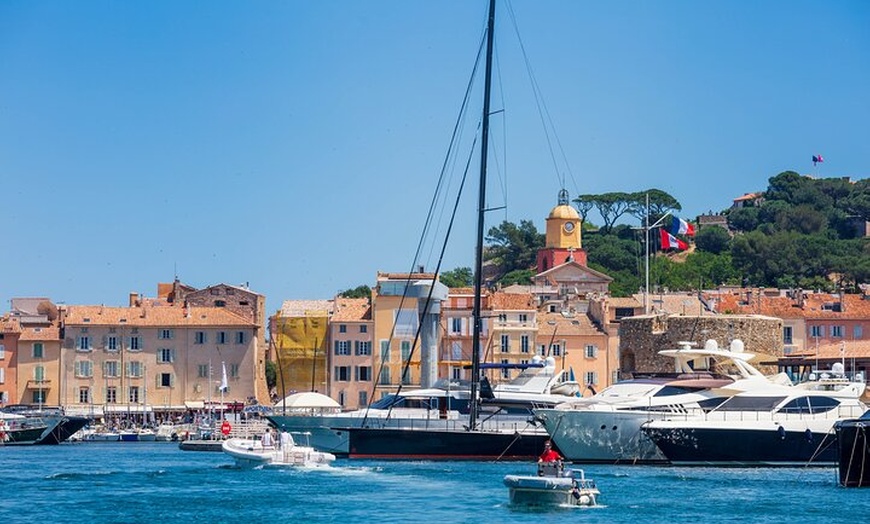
pixel 518 276
pixel 712 239
pixel 511 247
pixel 743 218
pixel 271 375
pixel 362 291
pixel 458 277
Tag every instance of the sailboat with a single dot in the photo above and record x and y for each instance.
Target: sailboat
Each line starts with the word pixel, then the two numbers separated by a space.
pixel 475 440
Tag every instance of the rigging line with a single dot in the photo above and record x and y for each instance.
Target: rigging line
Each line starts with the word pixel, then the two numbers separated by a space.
pixel 540 103
pixel 428 302
pixel 510 444
pixel 501 171
pixel 453 139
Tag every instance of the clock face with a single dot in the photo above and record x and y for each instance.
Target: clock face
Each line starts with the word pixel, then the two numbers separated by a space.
pixel 569 227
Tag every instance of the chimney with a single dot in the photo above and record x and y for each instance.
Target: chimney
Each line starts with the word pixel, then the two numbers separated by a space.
pixel 134 299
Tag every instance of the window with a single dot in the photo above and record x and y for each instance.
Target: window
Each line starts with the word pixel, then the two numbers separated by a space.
pixel 240 337
pixel 84 395
pixel 111 343
pixel 591 351
pixel 363 373
pixel 39 396
pixel 406 322
pixel 202 371
pixel 133 394
pixel 342 347
pixel 39 373
pixel 385 376
pixel 199 337
pixel 83 368
pixel 556 350
pixel 111 369
pixel 165 355
pixel 342 373
pixel 591 378
pixel 406 376
pixel 2 375
pixel 166 334
pixel 456 373
pixel 502 317
pixel 111 395
pixel 363 398
pixel 524 343
pixel 83 343
pixel 135 343
pixel 38 350
pixel 362 347
pixel 816 331
pixel 342 397
pixel 505 343
pixel 165 380
pixel 857 334
pixel 385 351
pixel 220 303
pixel 787 334
pixel 456 325
pixel 222 337
pixel 505 373
pixel 363 329
pixel 836 331
pixel 406 350
pixel 524 318
pixel 134 369
pixel 542 350
pixel 234 371
pixel 2 351
pixel 342 328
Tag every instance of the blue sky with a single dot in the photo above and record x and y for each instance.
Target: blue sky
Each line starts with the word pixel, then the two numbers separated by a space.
pixel 295 145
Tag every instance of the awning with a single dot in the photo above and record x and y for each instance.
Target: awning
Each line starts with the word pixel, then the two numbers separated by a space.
pixel 123 408
pixel 194 404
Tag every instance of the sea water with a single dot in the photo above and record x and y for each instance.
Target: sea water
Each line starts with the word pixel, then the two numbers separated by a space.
pixel 157 483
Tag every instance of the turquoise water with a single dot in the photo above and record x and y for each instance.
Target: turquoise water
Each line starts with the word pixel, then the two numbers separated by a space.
pixel 153 482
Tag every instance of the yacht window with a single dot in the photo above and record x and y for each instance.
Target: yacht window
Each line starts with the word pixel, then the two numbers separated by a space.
pixel 810 405
pixel 668 391
pixel 748 403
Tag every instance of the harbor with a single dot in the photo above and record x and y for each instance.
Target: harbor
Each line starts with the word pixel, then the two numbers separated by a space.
pixel 99 483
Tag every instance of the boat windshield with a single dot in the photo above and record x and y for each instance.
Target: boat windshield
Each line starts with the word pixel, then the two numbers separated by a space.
pixel 750 403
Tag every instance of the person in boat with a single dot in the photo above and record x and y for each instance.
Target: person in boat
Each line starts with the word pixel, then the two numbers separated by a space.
pixel 549 454
pixel 266 441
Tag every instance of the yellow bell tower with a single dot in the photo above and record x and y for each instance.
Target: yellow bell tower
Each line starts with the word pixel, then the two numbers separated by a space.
pixel 563 238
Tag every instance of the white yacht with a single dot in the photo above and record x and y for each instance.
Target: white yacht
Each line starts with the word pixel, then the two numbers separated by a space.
pixel 774 426
pixel 606 428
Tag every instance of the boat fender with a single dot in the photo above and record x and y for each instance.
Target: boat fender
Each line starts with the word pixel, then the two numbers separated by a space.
pixel 781 432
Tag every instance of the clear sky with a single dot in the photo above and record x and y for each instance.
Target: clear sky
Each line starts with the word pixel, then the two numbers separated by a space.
pixel 295 145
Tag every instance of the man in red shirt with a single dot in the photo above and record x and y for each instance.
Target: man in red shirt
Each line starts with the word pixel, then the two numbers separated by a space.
pixel 549 454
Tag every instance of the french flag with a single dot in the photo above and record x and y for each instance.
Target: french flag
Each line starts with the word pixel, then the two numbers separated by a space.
pixel 817 159
pixel 681 227
pixel 669 241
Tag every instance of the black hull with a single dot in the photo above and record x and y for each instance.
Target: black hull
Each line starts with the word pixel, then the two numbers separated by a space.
pixel 63 430
pixel 23 437
pixel 382 443
pixel 744 447
pixel 853 442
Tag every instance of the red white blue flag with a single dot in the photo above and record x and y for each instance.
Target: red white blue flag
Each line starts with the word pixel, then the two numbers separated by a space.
pixel 681 227
pixel 817 159
pixel 669 241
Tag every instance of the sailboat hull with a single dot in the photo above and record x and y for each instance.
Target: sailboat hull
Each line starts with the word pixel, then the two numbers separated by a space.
pixel 386 443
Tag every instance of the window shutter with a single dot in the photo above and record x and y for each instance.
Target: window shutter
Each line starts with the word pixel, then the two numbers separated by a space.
pixel 172 379
pixel 105 340
pixel 172 355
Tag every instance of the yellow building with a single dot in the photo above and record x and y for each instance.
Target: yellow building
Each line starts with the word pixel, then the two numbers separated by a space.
pixel 300 343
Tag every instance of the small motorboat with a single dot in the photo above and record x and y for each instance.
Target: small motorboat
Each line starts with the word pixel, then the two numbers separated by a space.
pixel 284 452
pixel 553 486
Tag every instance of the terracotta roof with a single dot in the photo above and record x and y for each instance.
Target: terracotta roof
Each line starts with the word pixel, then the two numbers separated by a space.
pixel 748 196
pixel 9 325
pixel 461 291
pixel 815 305
pixel 44 333
pixel 352 310
pixel 850 349
pixel 624 302
pixel 578 324
pixel 511 301
pixel 153 316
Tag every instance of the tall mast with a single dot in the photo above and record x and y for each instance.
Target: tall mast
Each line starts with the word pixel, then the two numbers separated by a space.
pixel 481 208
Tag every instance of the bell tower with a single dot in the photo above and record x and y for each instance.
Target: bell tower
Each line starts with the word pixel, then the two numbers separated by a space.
pixel 563 238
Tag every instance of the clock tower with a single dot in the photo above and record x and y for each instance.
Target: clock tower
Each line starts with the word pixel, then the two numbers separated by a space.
pixel 563 239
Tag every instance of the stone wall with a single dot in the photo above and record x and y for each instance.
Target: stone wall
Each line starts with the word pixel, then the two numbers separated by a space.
pixel 641 338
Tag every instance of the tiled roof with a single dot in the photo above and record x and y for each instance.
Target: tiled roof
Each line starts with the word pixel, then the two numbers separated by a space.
pixel 43 333
pixel 9 325
pixel 748 196
pixel 511 301
pixel 814 305
pixel 461 291
pixel 847 349
pixel 624 302
pixel 352 310
pixel 302 308
pixel 578 324
pixel 153 316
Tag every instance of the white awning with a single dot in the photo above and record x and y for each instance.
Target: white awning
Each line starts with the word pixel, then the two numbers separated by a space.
pixel 194 404
pixel 122 408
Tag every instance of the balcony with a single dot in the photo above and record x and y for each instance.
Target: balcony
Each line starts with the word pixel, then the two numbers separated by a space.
pixel 39 384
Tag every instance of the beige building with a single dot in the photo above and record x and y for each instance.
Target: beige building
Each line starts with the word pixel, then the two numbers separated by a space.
pixel 351 333
pixel 144 358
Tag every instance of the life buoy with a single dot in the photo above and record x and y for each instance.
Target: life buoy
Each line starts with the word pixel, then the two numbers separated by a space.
pixel 226 427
